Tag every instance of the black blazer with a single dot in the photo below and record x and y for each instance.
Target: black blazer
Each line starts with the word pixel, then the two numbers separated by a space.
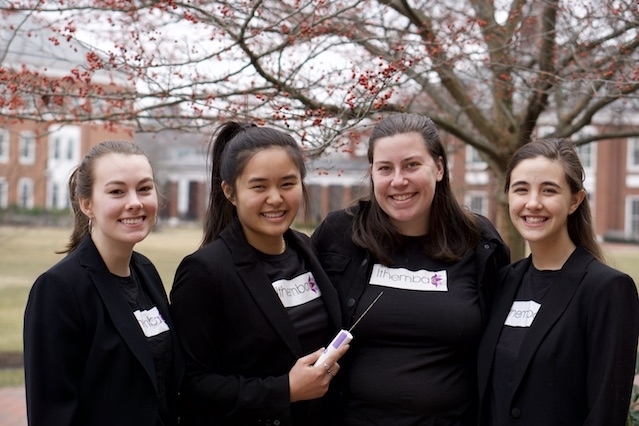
pixel 87 362
pixel 238 340
pixel 576 364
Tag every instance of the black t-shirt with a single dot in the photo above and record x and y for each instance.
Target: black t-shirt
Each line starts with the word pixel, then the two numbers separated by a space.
pixel 301 297
pixel 412 355
pixel 528 301
pixel 155 330
pixel 295 285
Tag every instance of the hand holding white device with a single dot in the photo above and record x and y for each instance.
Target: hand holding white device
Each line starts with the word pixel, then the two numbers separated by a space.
pixel 344 337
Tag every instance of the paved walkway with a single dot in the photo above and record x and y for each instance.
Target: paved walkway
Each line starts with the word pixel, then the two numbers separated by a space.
pixel 12 407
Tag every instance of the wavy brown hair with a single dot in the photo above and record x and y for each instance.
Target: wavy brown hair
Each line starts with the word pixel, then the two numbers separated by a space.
pixel 580 226
pixel 452 230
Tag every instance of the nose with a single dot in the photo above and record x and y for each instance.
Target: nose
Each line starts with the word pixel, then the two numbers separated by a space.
pixel 134 201
pixel 398 178
pixel 274 196
pixel 534 202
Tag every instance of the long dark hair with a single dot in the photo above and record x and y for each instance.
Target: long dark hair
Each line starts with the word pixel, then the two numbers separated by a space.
pixel 81 184
pixel 452 231
pixel 230 149
pixel 580 226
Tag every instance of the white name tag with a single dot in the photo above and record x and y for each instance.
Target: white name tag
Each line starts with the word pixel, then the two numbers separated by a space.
pixel 299 290
pixel 522 313
pixel 421 280
pixel 151 322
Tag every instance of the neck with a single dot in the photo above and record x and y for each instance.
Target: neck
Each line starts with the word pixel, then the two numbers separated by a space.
pixel 551 257
pixel 116 258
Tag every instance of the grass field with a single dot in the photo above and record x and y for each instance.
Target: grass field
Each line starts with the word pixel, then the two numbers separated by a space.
pixel 27 252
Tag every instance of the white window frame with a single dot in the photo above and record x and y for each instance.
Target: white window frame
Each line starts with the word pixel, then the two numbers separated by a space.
pixel 469 198
pixel 25 193
pixel 27 148
pixel 632 148
pixel 474 160
pixel 56 148
pixel 588 156
pixel 4 193
pixel 4 146
pixel 629 232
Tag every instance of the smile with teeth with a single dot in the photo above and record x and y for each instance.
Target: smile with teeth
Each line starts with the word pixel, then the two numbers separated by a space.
pixel 530 219
pixel 402 197
pixel 132 220
pixel 273 215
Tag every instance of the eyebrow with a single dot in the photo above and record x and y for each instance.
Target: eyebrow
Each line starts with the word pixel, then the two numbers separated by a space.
pixel 119 182
pixel 404 160
pixel 261 179
pixel 544 183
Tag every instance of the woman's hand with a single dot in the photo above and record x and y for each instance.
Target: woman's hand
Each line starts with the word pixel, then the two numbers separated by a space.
pixel 307 381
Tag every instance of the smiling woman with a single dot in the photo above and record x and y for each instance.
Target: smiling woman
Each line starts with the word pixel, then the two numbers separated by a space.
pixel 561 342
pixel 412 360
pixel 253 306
pixel 97 331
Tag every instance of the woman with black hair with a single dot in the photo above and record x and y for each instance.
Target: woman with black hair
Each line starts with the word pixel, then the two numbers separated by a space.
pixel 252 306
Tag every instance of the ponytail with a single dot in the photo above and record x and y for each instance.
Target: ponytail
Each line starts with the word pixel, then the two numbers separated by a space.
pixel 220 210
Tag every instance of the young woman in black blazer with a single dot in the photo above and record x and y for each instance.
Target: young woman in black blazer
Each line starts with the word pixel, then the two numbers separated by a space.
pixel 253 305
pixel 561 343
pixel 99 346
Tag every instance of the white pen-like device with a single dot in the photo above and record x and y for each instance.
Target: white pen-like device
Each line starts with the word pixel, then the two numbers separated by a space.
pixel 344 337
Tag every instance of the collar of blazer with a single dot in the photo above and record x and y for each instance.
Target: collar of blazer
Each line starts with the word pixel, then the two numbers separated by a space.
pixel 253 276
pixel 116 304
pixel 555 303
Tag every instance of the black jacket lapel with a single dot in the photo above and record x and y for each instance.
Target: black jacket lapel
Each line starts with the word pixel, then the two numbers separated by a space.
pixel 116 305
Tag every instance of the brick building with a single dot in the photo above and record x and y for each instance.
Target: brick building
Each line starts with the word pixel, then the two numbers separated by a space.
pixel 36 157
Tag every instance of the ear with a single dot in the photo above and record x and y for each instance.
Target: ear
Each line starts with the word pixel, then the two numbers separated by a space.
pixel 228 192
pixel 440 168
pixel 576 200
pixel 86 207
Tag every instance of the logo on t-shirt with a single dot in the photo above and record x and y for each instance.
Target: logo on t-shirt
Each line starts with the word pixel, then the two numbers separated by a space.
pixel 405 279
pixel 297 291
pixel 522 313
pixel 151 322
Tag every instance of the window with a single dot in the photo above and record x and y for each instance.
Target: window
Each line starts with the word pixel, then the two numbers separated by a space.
pixel 633 153
pixel 632 218
pixel 25 193
pixel 587 155
pixel 4 146
pixel 55 196
pixel 55 148
pixel 27 148
pixel 473 159
pixel 4 193
pixel 477 202
pixel 70 149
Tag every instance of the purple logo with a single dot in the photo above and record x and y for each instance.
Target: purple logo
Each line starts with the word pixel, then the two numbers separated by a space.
pixel 436 280
pixel 311 284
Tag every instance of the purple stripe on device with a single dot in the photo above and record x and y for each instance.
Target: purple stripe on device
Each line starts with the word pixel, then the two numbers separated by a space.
pixel 338 341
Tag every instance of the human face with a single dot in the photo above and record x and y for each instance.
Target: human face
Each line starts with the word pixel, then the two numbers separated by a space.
pixel 267 196
pixel 540 202
pixel 404 176
pixel 124 203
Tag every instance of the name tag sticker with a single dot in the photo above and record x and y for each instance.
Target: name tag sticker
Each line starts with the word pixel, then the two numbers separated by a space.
pixel 301 289
pixel 522 313
pixel 405 279
pixel 151 322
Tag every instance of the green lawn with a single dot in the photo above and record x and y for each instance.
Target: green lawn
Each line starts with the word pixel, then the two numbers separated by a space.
pixel 27 252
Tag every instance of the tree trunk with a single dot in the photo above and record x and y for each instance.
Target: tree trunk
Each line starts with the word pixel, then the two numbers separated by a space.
pixel 508 232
